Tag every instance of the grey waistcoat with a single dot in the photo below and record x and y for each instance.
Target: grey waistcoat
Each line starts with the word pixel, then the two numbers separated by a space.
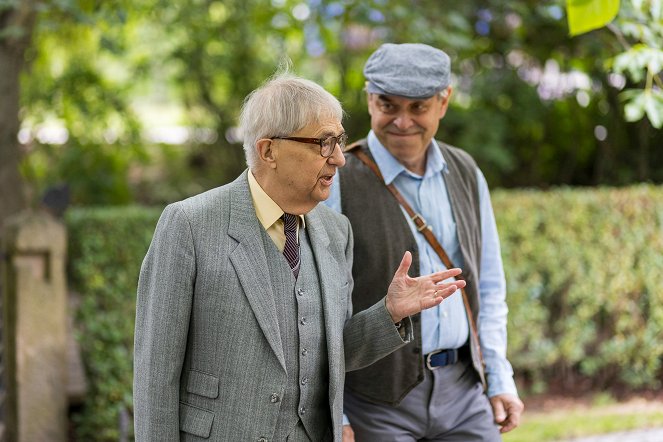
pixel 301 325
pixel 382 235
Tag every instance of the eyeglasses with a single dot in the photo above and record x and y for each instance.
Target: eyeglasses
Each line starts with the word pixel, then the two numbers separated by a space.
pixel 327 145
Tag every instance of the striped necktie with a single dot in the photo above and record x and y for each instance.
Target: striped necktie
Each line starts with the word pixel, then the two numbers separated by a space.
pixel 291 249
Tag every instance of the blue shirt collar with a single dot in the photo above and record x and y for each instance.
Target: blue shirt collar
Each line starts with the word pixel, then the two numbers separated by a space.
pixel 391 168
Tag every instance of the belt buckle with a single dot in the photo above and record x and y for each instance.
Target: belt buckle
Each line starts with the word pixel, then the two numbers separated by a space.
pixel 428 357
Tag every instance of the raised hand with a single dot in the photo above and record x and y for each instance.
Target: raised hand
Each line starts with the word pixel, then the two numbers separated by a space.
pixel 407 296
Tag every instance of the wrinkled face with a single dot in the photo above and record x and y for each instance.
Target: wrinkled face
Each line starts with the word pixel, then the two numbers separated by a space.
pixel 406 126
pixel 303 175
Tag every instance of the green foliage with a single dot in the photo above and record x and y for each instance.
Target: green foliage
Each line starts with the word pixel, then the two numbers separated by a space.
pixel 587 15
pixel 584 284
pixel 640 30
pixel 106 248
pixel 97 67
pixel 80 79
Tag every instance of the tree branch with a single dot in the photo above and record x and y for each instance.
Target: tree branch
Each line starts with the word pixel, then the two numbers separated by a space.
pixel 620 37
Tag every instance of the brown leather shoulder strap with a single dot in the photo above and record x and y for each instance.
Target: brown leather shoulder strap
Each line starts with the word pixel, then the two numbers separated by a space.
pixel 353 146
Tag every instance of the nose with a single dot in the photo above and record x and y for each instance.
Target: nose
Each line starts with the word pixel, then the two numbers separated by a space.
pixel 403 121
pixel 337 158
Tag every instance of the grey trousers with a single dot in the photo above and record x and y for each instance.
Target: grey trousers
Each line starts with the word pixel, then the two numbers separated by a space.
pixel 449 405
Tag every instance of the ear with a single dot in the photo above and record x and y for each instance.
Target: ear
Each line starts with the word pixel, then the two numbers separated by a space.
pixel 444 102
pixel 267 152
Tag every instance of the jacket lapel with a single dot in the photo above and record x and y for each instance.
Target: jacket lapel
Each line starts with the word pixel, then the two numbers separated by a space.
pixel 330 276
pixel 250 263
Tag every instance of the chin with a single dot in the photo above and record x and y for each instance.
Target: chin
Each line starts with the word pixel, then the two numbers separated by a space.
pixel 321 196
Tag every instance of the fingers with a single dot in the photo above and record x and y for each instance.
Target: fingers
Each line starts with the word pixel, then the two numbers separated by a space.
pixel 445 290
pixel 404 265
pixel 426 303
pixel 511 423
pixel 443 274
pixel 446 274
pixel 514 410
pixel 507 410
pixel 499 412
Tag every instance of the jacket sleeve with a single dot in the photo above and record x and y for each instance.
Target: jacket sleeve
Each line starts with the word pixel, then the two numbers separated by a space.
pixel 163 307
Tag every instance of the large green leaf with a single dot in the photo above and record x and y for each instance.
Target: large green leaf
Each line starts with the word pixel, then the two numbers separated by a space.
pixel 587 15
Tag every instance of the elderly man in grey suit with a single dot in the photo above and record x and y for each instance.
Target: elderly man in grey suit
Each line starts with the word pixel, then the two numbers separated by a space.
pixel 244 326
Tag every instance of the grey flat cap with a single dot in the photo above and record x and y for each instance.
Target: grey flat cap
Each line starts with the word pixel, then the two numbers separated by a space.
pixel 409 70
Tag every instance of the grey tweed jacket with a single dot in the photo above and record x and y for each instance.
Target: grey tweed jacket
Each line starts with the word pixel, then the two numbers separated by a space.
pixel 209 361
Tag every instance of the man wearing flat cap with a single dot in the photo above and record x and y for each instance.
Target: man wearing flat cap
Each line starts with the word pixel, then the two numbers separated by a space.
pixel 404 190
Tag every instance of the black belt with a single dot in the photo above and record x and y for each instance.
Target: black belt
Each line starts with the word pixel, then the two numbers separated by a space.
pixel 442 358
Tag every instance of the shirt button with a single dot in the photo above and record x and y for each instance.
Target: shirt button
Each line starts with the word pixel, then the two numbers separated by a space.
pixel 300 292
pixel 445 313
pixel 303 321
pixel 304 381
pixel 274 398
pixel 302 411
pixel 304 351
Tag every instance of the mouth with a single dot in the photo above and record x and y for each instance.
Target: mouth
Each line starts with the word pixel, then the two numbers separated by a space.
pixel 327 180
pixel 402 134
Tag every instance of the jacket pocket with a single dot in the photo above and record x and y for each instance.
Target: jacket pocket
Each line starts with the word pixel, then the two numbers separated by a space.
pixel 196 421
pixel 203 384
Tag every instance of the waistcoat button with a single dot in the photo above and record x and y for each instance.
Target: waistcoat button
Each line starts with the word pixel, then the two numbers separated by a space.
pixel 274 398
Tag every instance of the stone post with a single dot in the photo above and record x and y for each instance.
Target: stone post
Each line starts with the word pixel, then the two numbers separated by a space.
pixel 35 327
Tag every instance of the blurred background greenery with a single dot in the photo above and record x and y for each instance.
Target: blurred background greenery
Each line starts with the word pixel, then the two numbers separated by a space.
pixel 135 103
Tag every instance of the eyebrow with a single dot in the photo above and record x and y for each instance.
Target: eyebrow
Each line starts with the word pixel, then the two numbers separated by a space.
pixel 329 133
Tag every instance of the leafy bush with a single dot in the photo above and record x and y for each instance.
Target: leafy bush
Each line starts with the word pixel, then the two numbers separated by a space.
pixel 584 290
pixel 106 248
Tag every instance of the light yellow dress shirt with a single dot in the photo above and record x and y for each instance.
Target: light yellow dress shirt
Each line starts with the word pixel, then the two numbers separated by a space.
pixel 269 213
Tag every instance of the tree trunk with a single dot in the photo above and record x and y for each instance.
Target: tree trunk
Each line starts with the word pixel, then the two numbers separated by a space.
pixel 12 60
pixel 16 27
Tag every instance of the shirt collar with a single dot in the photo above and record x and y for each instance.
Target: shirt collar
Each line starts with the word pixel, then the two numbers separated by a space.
pixel 267 211
pixel 391 167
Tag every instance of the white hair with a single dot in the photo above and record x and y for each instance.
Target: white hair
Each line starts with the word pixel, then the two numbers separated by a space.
pixel 282 106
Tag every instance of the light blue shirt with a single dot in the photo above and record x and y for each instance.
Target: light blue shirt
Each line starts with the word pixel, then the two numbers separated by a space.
pixel 446 326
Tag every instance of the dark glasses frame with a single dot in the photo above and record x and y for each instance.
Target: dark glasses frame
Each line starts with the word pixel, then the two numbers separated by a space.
pixel 327 144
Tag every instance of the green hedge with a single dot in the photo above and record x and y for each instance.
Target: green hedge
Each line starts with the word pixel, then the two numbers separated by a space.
pixel 106 248
pixel 585 284
pixel 585 291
